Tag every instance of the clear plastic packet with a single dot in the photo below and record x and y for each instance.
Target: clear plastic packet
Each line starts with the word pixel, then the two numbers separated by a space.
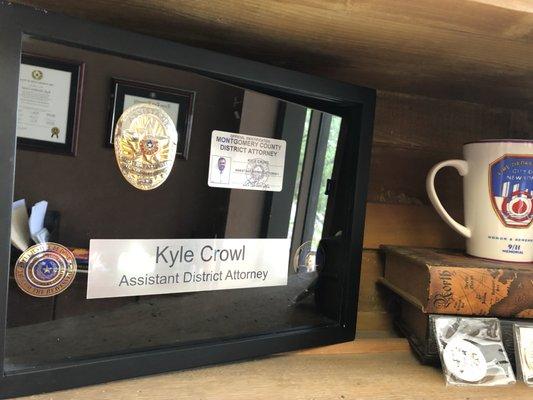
pixel 523 337
pixel 472 352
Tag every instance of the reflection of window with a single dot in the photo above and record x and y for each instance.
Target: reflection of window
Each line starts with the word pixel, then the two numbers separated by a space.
pixel 298 212
pixel 331 148
pixel 315 167
pixel 299 172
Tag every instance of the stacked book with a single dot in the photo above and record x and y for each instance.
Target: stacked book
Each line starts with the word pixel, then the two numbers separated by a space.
pixel 430 281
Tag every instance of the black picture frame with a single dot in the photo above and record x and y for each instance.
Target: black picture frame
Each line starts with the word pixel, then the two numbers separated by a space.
pixel 120 88
pixel 74 105
pixel 354 104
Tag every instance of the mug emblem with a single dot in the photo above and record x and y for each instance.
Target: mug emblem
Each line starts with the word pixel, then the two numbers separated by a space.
pixel 511 189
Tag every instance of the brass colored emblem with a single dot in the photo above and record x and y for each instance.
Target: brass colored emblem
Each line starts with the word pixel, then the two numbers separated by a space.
pixel 145 145
pixel 37 74
pixel 45 269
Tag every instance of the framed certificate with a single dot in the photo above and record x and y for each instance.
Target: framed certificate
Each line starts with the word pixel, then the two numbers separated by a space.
pixel 177 103
pixel 49 99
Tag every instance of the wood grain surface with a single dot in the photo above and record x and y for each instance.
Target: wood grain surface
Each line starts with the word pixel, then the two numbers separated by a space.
pixel 471 50
pixel 407 225
pixel 370 369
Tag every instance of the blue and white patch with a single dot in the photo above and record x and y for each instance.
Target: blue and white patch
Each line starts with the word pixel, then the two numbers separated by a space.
pixel 511 189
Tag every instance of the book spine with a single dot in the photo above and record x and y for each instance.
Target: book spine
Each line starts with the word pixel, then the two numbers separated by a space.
pixel 480 291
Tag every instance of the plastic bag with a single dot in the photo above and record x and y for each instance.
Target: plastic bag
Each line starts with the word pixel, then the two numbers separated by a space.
pixel 472 352
pixel 523 336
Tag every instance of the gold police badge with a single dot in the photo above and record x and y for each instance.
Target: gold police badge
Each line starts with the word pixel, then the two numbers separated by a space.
pixel 145 145
pixel 45 269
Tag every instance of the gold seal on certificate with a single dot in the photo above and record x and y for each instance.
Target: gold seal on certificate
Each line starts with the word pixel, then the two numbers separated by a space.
pixel 145 145
pixel 45 269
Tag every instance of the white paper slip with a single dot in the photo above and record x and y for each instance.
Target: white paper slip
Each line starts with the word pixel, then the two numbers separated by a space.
pixel 248 162
pixel 20 232
pixel 136 267
pixel 38 232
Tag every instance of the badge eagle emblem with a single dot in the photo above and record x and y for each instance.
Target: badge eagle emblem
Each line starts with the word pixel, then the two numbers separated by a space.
pixel 145 145
pixel 511 189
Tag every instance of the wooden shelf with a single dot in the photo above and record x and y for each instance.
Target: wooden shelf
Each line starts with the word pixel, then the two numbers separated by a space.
pixel 462 72
pixel 474 50
pixel 364 369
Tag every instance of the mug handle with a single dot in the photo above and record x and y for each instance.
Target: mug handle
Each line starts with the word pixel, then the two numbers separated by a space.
pixel 462 167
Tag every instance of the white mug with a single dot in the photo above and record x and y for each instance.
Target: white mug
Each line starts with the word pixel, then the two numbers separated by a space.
pixel 498 198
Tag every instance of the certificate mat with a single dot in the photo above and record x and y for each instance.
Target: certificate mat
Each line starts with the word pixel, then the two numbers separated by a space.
pixel 172 109
pixel 44 96
pixel 136 267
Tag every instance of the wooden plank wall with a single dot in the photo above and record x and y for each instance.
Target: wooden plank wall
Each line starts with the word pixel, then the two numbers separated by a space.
pixel 411 134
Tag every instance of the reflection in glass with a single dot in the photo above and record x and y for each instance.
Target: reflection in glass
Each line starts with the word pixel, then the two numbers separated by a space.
pixel 326 173
pixel 89 199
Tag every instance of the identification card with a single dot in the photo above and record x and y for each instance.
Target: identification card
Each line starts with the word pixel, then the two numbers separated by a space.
pixel 240 161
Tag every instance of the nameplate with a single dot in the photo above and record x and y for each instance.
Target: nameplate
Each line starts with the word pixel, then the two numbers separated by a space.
pixel 136 267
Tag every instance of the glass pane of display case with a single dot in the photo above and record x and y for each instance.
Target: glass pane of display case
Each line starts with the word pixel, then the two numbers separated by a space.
pixel 71 181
